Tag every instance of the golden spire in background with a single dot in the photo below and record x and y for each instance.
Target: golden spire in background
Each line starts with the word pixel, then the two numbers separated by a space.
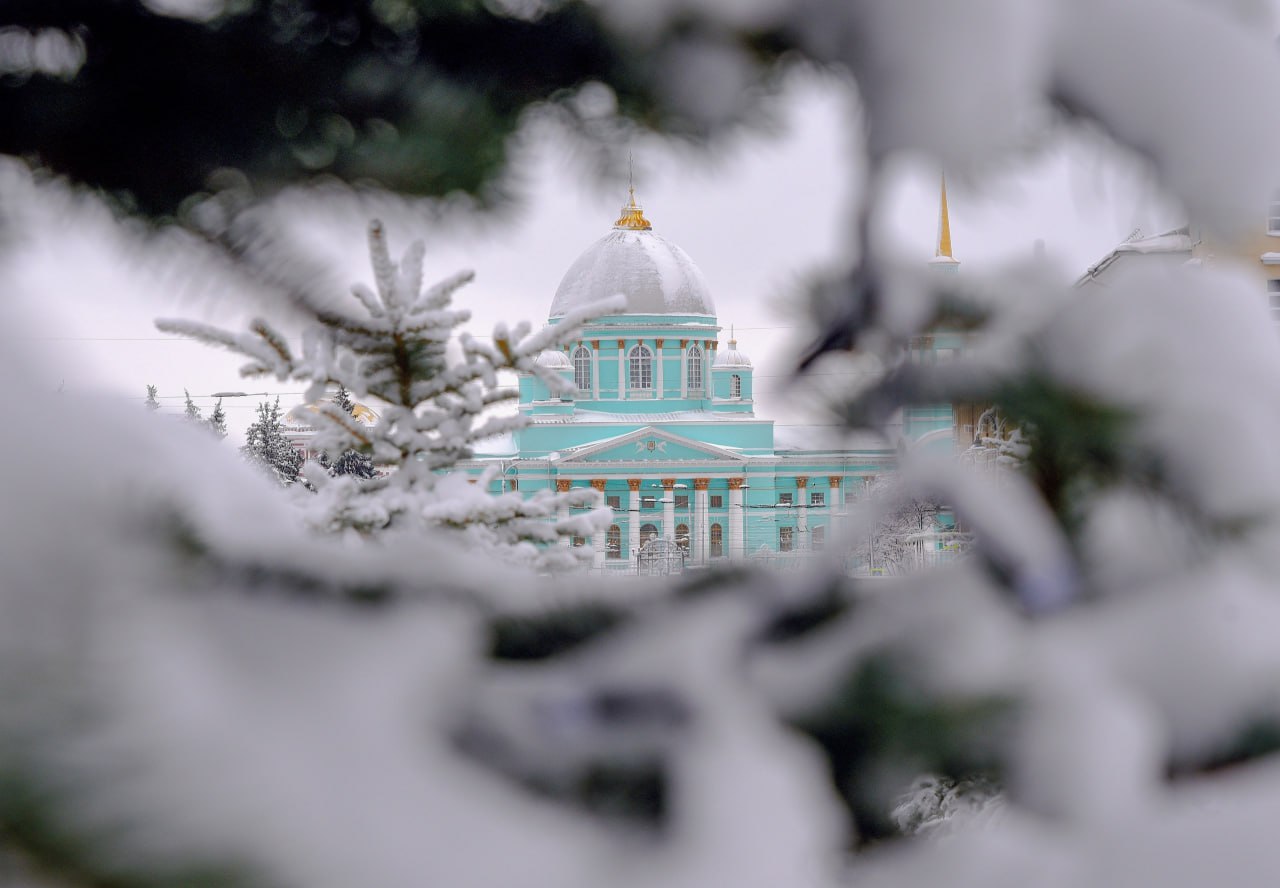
pixel 944 225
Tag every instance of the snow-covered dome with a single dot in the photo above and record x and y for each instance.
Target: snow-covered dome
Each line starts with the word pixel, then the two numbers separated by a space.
pixel 553 360
pixel 656 276
pixel 731 357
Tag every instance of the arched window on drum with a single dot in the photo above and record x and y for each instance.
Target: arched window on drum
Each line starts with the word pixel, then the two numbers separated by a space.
pixel 641 370
pixel 693 361
pixel 582 369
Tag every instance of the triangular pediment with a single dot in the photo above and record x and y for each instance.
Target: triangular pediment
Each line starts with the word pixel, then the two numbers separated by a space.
pixel 648 444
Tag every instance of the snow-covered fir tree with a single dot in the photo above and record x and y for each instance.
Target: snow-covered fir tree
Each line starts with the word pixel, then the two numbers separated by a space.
pixel 352 462
pixel 217 421
pixel 435 408
pixel 266 447
pixel 190 412
pixel 151 402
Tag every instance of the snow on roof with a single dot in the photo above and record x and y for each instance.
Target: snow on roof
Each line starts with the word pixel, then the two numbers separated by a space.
pixel 1177 240
pixel 810 438
pixel 497 445
pixel 655 275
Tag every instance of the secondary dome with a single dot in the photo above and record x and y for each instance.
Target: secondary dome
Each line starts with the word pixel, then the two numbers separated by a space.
pixel 655 275
pixel 731 357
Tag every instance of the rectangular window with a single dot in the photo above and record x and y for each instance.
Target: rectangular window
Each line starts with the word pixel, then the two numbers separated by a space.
pixel 819 538
pixel 648 502
pixel 613 502
pixel 682 501
pixel 1273 214
pixel 817 498
pixel 717 501
pixel 785 499
pixel 784 538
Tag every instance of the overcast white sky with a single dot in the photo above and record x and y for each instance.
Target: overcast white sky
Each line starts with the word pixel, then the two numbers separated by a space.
pixel 755 217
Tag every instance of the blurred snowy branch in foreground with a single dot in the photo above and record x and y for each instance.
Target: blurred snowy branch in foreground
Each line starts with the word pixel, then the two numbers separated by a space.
pixel 198 692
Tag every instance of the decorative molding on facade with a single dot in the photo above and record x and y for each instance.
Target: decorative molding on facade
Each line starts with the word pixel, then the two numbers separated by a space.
pixel 633 484
pixel 668 483
pixel 563 485
pixel 622 343
pixel 802 482
pixel 595 344
pixel 658 342
pixel 834 481
pixel 737 483
pixel 701 483
pixel 599 483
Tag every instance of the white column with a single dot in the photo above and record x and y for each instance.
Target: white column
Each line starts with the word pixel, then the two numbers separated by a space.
pixel 657 352
pixel 684 371
pixel 737 518
pixel 701 519
pixel 802 512
pixel 595 374
pixel 669 509
pixel 633 516
pixel 599 538
pixel 562 510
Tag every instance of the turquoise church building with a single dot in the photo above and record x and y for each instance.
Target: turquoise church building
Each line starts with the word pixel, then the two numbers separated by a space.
pixel 661 420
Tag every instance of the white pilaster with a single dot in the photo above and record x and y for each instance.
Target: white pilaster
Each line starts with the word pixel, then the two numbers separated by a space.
pixel 622 370
pixel 595 374
pixel 657 353
pixel 684 372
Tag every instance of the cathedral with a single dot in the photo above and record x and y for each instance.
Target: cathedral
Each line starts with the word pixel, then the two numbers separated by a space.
pixel 662 422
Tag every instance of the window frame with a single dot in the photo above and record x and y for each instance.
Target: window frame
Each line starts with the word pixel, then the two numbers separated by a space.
pixel 735 386
pixel 715 540
pixel 613 543
pixel 817 498
pixel 786 539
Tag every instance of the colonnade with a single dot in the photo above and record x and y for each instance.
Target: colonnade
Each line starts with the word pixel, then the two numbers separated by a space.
pixel 700 517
